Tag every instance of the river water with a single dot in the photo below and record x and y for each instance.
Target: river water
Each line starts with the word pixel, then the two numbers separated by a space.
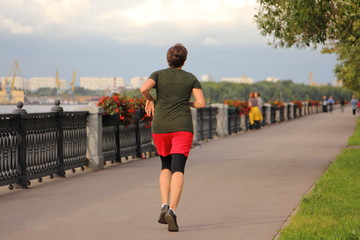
pixel 39 108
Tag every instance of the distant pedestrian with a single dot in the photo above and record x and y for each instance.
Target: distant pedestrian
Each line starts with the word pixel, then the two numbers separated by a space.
pixel 255 116
pixel 324 104
pixel 342 104
pixel 172 126
pixel 331 103
pixel 260 104
pixel 354 102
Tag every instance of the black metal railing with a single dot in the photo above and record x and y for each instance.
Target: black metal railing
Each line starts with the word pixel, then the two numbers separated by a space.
pixel 282 113
pixel 288 112
pixel 233 120
pixel 110 143
pixel 128 145
pixel 9 150
pixel 41 144
pixel 294 111
pixel 120 141
pixel 206 122
pixel 74 135
pixel 41 147
pixel 273 114
pixel 36 145
pixel 144 139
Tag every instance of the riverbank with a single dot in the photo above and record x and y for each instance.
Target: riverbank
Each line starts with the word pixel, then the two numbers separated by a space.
pixel 36 108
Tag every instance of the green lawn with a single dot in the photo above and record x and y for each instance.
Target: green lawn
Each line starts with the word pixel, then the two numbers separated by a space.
pixel 332 210
pixel 355 139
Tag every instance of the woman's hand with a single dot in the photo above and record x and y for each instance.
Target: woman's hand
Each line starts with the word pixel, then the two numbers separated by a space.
pixel 149 108
pixel 145 89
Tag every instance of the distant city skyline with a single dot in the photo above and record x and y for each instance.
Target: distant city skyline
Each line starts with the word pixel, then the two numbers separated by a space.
pixel 127 39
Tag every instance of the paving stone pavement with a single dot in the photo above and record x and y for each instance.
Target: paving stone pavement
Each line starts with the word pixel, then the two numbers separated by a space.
pixel 239 187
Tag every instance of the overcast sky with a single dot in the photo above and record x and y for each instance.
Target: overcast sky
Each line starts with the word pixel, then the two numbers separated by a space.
pixel 128 38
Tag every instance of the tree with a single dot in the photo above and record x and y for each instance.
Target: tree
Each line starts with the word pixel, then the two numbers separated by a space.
pixel 46 92
pixel 334 24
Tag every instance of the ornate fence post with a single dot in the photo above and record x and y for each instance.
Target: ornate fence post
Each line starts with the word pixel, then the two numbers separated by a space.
pixel 286 117
pixel 292 114
pixel 60 137
pixel 94 151
pixel 263 112
pixel 243 126
pixel 22 179
pixel 222 123
pixel 267 112
pixel 277 114
pixel 305 108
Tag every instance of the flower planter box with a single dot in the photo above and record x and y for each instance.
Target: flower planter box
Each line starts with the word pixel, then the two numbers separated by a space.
pixel 121 140
pixel 111 120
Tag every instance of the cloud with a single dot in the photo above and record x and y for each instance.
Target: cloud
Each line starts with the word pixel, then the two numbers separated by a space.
pixel 149 22
pixel 210 41
pixel 64 11
pixel 10 25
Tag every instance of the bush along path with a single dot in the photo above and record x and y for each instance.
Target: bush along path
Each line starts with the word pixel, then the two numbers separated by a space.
pixel 331 211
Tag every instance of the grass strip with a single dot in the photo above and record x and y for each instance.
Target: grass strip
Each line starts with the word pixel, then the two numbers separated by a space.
pixel 355 139
pixel 332 210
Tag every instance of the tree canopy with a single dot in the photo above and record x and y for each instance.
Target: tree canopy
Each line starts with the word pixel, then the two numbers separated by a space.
pixel 332 24
pixel 287 90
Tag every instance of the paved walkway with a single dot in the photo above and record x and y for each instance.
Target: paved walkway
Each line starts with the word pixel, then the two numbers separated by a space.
pixel 239 187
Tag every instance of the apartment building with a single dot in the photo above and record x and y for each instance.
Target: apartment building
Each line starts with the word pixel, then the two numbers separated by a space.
pixel 271 79
pixel 137 82
pixel 102 83
pixel 242 79
pixel 33 84
pixel 207 78
pixel 18 82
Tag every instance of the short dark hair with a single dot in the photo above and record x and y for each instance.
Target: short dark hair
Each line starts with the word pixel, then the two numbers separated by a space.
pixel 176 55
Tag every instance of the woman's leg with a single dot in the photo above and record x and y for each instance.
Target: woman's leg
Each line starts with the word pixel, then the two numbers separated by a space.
pixel 165 178
pixel 164 182
pixel 177 184
pixel 180 149
pixel 177 179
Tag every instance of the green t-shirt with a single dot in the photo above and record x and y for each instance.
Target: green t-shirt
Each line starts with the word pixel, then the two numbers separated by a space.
pixel 173 91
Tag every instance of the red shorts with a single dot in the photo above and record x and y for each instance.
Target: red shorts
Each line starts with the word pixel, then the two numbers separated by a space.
pixel 174 142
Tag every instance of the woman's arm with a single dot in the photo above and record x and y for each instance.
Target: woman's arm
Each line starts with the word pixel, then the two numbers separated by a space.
pixel 150 100
pixel 146 87
pixel 199 98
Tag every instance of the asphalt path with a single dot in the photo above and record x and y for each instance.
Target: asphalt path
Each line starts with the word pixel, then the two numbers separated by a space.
pixel 242 186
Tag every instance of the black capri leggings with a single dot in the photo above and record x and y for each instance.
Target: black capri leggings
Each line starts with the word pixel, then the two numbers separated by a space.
pixel 174 162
